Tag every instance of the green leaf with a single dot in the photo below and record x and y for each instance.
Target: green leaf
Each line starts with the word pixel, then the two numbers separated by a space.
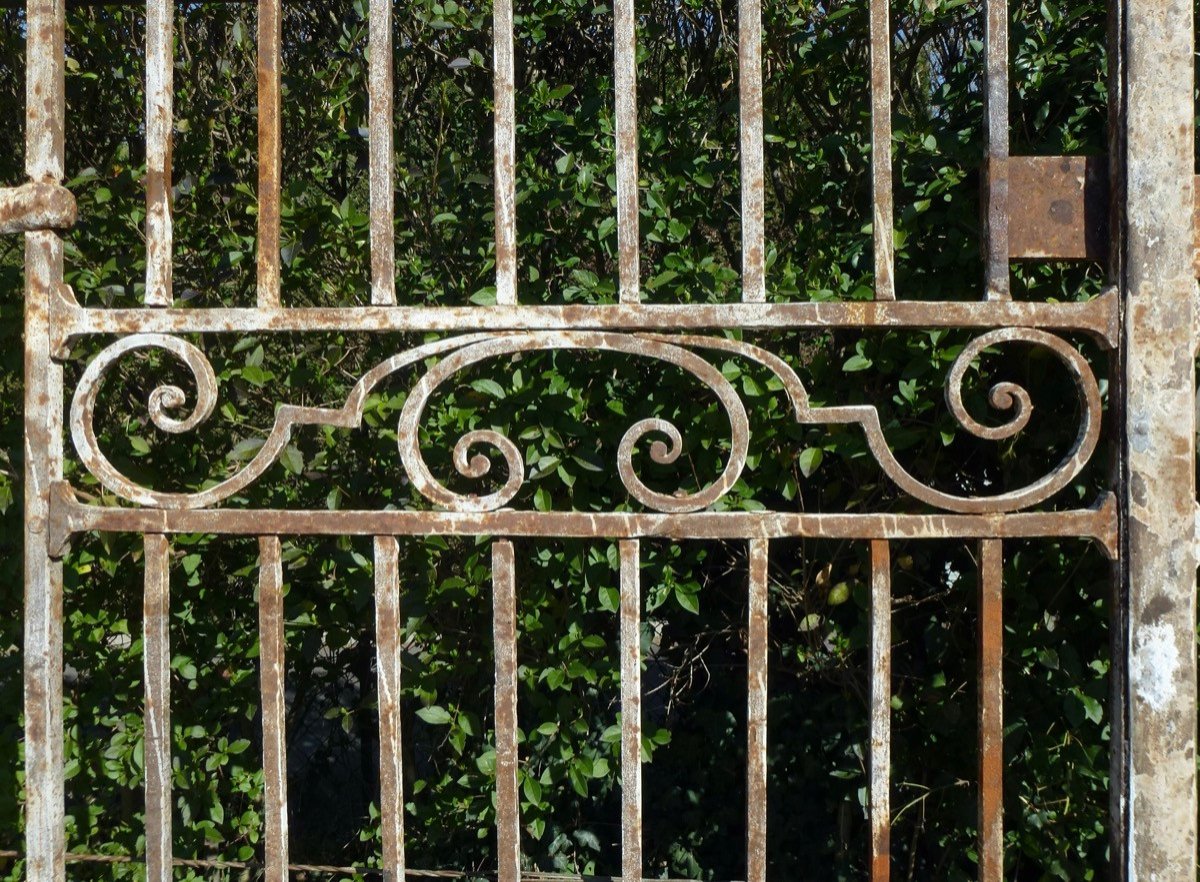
pixel 532 790
pixel 610 599
pixel 810 460
pixel 292 459
pixel 689 601
pixel 486 386
pixel 856 363
pixel 435 715
pixel 486 763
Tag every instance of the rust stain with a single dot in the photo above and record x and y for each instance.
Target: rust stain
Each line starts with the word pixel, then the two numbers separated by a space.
pixel 631 709
pixel 388 623
pixel 274 707
pixel 1097 318
pixel 750 108
pixel 156 618
pixel 380 104
pixel 756 714
pixel 995 166
pixel 270 154
pixel 43 600
pixel 883 202
pixel 881 710
pixel 1058 208
pixel 505 152
pixel 160 75
pixel 625 99
pixel 991 711
pixel 504 633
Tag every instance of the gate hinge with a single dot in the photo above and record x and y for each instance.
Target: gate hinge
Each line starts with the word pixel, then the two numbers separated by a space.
pixel 36 206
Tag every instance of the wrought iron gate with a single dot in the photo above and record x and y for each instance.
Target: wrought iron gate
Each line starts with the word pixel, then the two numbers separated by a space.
pixel 1035 208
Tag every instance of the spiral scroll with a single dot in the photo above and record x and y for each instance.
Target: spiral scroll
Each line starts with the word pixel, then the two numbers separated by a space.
pixel 661 350
pixel 1004 396
pixel 161 400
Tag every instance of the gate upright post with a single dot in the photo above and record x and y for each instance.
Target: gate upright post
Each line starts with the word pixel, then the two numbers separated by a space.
pixel 44 159
pixel 1158 485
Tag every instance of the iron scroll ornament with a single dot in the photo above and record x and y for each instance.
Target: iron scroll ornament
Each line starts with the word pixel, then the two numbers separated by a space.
pixel 678 350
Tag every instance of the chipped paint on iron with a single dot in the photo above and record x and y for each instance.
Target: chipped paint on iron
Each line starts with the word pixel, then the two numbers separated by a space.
pixel 883 223
pixel 160 120
pixel 388 622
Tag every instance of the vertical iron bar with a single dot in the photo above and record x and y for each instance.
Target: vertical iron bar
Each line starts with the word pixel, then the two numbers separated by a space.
pixel 156 660
pixel 995 126
pixel 882 200
pixel 387 649
pixel 505 152
pixel 45 119
pixel 382 163
pixel 991 711
pixel 750 106
pixel 1159 439
pixel 631 711
pixel 274 707
pixel 504 628
pixel 756 717
pixel 1118 625
pixel 160 76
pixel 269 152
pixel 881 710
pixel 625 98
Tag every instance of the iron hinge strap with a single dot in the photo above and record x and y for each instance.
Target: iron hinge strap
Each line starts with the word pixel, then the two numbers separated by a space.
pixel 36 206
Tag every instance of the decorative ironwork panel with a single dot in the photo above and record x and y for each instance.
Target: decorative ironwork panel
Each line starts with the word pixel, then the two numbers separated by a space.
pixel 1024 219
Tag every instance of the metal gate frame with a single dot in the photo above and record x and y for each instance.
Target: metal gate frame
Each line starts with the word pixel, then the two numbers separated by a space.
pixel 1147 524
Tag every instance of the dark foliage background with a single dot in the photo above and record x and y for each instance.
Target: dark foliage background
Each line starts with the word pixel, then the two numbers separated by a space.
pixel 567 412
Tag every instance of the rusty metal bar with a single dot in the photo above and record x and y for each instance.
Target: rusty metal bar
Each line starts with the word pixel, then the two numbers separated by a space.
pixel 156 661
pixel 631 710
pixel 36 206
pixel 505 152
pixel 1098 524
pixel 270 152
pixel 995 215
pixel 756 716
pixel 882 200
pixel 1097 317
pixel 750 107
pixel 881 710
pixel 274 707
pixel 43 639
pixel 1159 440
pixel 625 98
pixel 382 161
pixel 387 655
pixel 991 711
pixel 504 630
pixel 160 119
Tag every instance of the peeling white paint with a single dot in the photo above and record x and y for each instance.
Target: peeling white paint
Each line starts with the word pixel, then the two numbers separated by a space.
pixel 1154 665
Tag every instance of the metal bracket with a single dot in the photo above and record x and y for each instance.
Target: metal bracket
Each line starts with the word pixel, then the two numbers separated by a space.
pixel 1058 209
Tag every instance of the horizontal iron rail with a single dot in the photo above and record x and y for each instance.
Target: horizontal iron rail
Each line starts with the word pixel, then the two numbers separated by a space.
pixel 1096 317
pixel 70 516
